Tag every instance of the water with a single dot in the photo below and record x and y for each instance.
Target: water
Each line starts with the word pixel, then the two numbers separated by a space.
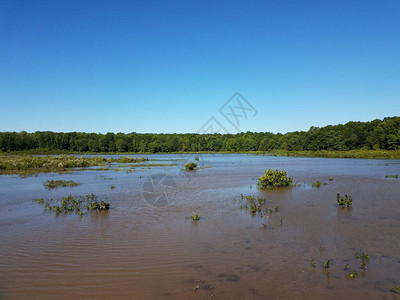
pixel 137 251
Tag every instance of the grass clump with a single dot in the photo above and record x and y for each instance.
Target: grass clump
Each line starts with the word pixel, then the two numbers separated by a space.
pixel 258 205
pixel 354 275
pixel 190 166
pixel 129 159
pixel 344 201
pixel 195 217
pixel 73 204
pixel 53 184
pixel 274 179
pixel 316 184
pixel 392 176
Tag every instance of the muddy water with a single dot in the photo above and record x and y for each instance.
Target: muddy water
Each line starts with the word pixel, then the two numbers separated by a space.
pixel 137 251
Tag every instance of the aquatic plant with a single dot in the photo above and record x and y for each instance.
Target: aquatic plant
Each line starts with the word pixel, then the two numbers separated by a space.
pixel 195 217
pixel 72 203
pixel 53 184
pixel 346 267
pixel 316 184
pixel 354 275
pixel 392 176
pixel 112 187
pixel 344 201
pixel 274 179
pixel 258 205
pixel 190 166
pixel 395 289
pixel 196 158
pixel 326 264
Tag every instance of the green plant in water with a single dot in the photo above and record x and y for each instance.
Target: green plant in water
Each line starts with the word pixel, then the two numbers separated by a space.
pixel 316 184
pixel 72 203
pixel 38 200
pixel 344 201
pixel 196 158
pixel 112 187
pixel 354 275
pixel 190 166
pixel 53 184
pixel 326 264
pixel 195 217
pixel 274 179
pixel 395 289
pixel 346 267
pixel 392 176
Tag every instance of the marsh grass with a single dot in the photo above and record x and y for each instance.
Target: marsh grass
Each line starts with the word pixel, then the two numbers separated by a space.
pixel 53 184
pixel 392 176
pixel 73 204
pixel 258 205
pixel 25 165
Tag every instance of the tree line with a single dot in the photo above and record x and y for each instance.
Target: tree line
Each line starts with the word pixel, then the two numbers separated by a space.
pixel 376 134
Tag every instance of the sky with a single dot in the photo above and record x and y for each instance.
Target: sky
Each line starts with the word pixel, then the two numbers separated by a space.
pixel 170 66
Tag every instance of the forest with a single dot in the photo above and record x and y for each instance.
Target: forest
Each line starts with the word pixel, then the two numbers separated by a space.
pixel 377 134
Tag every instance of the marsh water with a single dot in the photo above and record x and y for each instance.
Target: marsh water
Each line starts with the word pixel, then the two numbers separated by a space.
pixel 146 247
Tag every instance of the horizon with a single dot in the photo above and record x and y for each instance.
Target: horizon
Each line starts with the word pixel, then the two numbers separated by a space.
pixel 169 67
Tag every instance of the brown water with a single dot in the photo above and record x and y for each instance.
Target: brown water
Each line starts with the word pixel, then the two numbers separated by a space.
pixel 137 251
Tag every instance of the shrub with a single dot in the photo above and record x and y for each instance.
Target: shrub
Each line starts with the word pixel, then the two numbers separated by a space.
pixel 274 179
pixel 190 166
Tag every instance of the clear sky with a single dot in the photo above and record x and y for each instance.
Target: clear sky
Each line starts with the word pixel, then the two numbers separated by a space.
pixel 168 66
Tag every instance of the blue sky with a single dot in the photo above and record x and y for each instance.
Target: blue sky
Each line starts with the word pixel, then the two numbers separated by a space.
pixel 168 66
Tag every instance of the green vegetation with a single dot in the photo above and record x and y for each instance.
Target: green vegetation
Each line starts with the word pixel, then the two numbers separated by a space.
pixel 354 275
pixel 346 267
pixel 190 166
pixel 71 204
pixel 29 164
pixel 326 264
pixel 195 217
pixel 196 158
pixel 112 187
pixel 316 184
pixel 358 137
pixel 361 153
pixel 258 205
pixel 395 289
pixel 53 184
pixel 274 179
pixel 392 176
pixel 344 201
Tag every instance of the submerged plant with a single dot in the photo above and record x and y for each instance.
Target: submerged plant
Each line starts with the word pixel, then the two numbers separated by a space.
pixel 344 201
pixel 274 179
pixel 346 267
